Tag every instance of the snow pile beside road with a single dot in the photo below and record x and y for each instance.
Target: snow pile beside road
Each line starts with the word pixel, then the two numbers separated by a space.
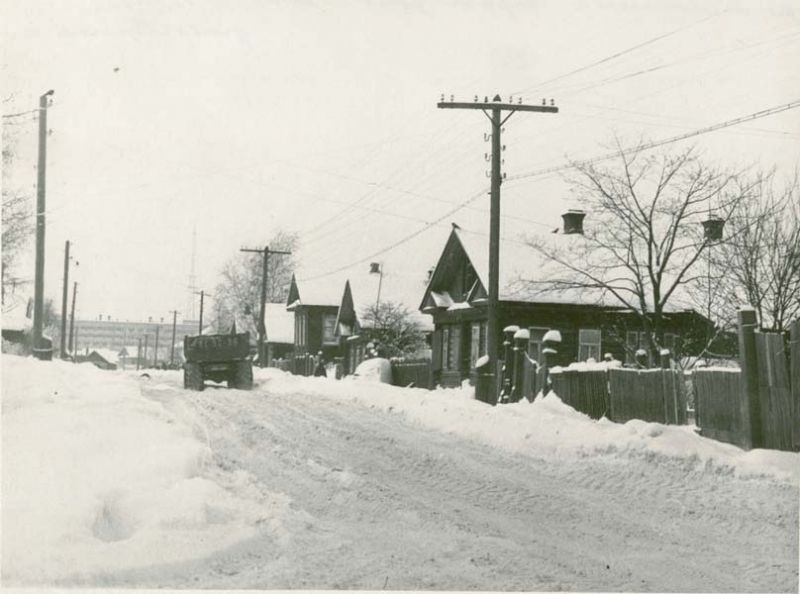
pixel 546 428
pixel 97 479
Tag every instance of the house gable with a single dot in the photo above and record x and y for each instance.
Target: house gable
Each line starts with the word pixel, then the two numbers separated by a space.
pixel 347 317
pixel 455 279
pixel 294 293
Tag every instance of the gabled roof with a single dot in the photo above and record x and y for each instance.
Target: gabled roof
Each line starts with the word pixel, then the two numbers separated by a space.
pixel 521 268
pixel 322 291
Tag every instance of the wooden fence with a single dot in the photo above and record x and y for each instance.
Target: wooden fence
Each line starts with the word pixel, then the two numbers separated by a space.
pixel 759 405
pixel 585 391
pixel 718 406
pixel 656 395
pixel 418 374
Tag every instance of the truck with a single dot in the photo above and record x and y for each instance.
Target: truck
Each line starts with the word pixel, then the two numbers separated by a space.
pixel 218 357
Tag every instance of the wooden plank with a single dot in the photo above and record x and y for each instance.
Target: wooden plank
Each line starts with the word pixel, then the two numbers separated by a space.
pixel 718 395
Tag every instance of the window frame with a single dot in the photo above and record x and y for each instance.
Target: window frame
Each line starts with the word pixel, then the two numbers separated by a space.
pixel 590 345
pixel 331 340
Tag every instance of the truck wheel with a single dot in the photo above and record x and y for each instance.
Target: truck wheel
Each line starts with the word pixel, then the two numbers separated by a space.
pixel 193 377
pixel 242 376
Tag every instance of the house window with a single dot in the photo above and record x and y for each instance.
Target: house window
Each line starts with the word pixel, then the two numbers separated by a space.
pixel 588 344
pixel 475 345
pixel 536 343
pixel 300 329
pixel 451 339
pixel 329 329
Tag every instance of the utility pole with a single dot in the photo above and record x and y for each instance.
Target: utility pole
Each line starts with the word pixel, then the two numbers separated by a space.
pixel 146 339
pixel 64 298
pixel 262 327
pixel 172 348
pixel 139 354
pixel 496 106
pixel 72 319
pixel 202 296
pixel 38 301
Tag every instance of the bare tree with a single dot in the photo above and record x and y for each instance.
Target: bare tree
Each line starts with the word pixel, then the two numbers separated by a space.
pixel 238 296
pixel 394 329
pixel 17 222
pixel 644 236
pixel 761 258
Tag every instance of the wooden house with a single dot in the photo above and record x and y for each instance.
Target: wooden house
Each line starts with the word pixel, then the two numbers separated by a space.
pixel 315 305
pixel 590 322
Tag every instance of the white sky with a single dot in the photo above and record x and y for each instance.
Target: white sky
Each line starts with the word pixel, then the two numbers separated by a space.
pixel 242 118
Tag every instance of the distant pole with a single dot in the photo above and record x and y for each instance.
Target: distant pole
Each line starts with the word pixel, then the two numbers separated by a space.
pixel 172 349
pixel 139 354
pixel 146 339
pixel 496 106
pixel 76 344
pixel 38 302
pixel 262 326
pixel 64 299
pixel 155 347
pixel 202 297
pixel 72 319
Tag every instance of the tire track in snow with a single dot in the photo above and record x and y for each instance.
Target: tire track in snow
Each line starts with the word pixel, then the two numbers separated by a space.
pixel 386 497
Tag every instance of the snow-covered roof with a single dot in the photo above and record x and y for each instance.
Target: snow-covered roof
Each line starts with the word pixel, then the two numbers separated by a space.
pixel 320 291
pixel 279 323
pixel 524 271
pixel 108 354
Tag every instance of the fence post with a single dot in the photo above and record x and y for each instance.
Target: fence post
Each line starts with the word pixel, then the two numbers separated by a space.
pixel 521 338
pixel 748 362
pixel 508 363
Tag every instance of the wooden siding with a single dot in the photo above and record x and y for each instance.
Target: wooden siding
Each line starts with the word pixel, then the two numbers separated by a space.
pixel 718 405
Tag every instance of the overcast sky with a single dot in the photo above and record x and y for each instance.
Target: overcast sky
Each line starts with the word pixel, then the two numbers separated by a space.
pixel 238 119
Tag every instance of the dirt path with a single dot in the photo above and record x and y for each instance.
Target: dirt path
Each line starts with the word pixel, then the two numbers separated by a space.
pixel 378 502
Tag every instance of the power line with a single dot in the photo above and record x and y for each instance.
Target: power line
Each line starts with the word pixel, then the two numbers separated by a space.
pixel 753 116
pixel 657 143
pixel 620 53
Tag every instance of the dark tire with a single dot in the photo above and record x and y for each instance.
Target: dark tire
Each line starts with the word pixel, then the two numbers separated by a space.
pixel 193 377
pixel 242 376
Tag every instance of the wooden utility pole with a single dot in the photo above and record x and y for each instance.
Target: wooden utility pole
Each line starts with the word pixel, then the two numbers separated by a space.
pixel 38 299
pixel 72 319
pixel 202 297
pixel 262 327
pixel 496 106
pixel 64 298
pixel 139 354
pixel 172 349
pixel 146 340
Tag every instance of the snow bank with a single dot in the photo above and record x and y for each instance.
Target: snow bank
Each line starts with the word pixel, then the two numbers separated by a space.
pixel 97 478
pixel 546 428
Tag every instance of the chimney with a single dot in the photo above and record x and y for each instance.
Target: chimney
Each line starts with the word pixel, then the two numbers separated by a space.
pixel 573 221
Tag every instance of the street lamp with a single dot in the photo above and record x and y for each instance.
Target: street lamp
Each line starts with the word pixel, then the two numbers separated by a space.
pixel 377 268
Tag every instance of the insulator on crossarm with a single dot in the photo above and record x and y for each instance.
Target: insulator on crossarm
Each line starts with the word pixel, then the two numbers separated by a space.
pixel 504 147
pixel 476 98
pixel 452 98
pixel 552 102
pixel 520 101
pixel 511 99
pixel 544 101
pixel 486 99
pixel 442 97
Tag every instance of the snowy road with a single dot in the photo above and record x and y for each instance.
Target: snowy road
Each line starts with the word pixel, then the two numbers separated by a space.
pixel 376 501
